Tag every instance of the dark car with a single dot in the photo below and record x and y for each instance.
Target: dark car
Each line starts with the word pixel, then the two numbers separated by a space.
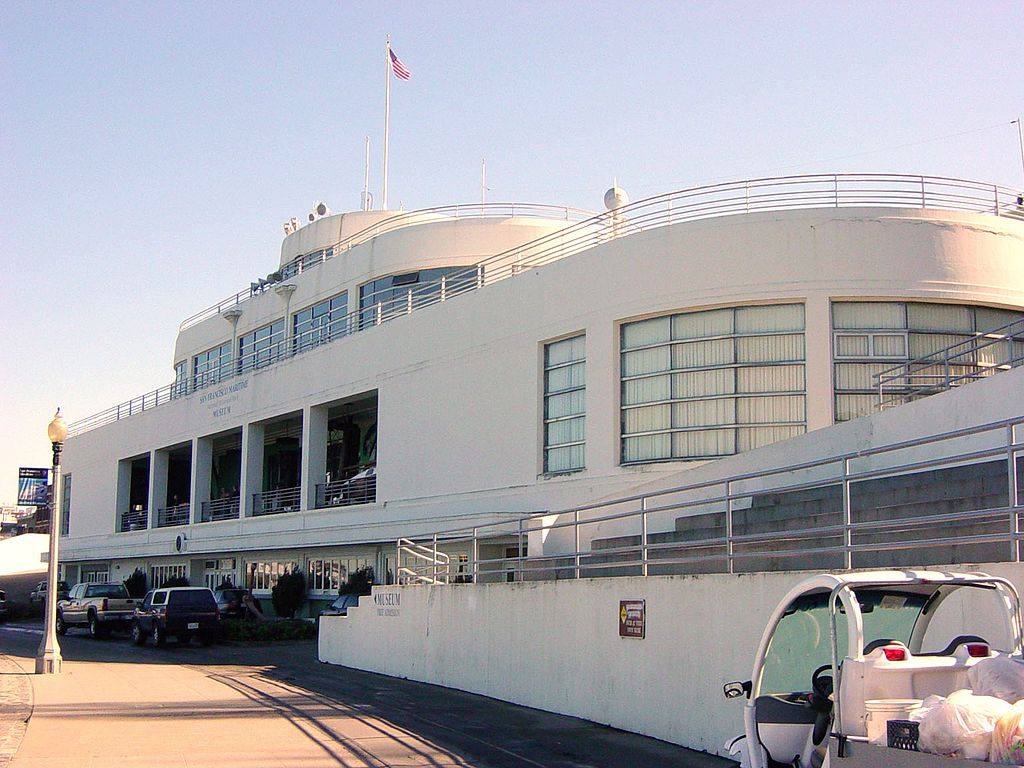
pixel 232 602
pixel 38 595
pixel 3 605
pixel 340 606
pixel 184 612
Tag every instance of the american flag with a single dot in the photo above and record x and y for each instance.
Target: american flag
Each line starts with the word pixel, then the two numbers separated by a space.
pixel 401 71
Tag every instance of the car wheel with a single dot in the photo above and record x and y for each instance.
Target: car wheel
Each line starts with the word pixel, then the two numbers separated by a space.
pixel 158 636
pixel 138 636
pixel 95 628
pixel 62 628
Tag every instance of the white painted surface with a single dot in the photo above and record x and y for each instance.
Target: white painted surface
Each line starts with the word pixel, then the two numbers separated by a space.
pixel 24 554
pixel 555 645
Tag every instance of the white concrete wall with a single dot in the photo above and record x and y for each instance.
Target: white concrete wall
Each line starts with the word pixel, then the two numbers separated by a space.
pixel 459 383
pixel 555 645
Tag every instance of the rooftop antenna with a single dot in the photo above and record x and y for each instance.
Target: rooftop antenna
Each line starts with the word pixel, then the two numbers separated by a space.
pixel 1020 138
pixel 483 181
pixel 366 177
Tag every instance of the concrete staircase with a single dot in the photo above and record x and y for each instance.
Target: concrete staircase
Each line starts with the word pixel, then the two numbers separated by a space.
pixel 899 498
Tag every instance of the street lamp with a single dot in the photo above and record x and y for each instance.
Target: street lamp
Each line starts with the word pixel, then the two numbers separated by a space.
pixel 48 659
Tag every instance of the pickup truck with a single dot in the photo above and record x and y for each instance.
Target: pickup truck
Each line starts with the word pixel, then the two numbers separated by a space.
pixel 838 644
pixel 100 607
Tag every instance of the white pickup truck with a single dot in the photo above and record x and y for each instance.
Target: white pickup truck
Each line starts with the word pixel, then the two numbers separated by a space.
pixel 837 644
pixel 100 607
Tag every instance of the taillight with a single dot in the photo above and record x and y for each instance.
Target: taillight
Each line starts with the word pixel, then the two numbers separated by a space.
pixel 895 653
pixel 104 604
pixel 232 604
pixel 977 650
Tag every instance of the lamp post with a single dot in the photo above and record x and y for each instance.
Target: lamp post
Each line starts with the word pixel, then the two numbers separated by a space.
pixel 48 659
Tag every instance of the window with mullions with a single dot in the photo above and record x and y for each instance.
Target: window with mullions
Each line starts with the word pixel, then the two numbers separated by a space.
pixel 180 379
pixel 395 295
pixel 870 337
pixel 325 576
pixel 65 505
pixel 565 405
pixel 712 383
pixel 261 347
pixel 321 323
pixel 211 366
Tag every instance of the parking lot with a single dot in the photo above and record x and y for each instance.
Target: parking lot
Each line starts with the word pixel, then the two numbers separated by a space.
pixel 275 705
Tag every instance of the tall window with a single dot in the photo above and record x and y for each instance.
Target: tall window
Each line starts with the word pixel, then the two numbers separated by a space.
pixel 871 336
pixel 180 379
pixel 65 505
pixel 262 575
pixel 211 366
pixel 325 576
pixel 394 295
pixel 321 322
pixel 564 404
pixel 261 347
pixel 161 574
pixel 712 383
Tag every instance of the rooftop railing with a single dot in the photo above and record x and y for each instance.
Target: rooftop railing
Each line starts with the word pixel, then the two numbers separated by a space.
pixel 849 530
pixel 706 202
pixel 960 363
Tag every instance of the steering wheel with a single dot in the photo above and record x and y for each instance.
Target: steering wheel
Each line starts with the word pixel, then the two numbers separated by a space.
pixel 821 701
pixel 823 684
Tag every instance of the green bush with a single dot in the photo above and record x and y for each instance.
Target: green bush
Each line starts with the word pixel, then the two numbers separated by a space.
pixel 136 583
pixel 283 629
pixel 289 594
pixel 359 582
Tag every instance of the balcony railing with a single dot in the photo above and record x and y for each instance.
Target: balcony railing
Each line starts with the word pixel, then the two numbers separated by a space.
pixel 360 488
pixel 173 515
pixel 277 501
pixel 134 520
pixel 219 509
pixel 965 361
pixel 707 202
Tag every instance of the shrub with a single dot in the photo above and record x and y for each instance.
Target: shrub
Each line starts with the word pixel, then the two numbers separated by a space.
pixel 359 582
pixel 177 581
pixel 136 583
pixel 267 631
pixel 225 584
pixel 289 594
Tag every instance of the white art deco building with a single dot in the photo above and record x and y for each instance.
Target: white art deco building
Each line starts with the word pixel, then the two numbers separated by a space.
pixel 402 372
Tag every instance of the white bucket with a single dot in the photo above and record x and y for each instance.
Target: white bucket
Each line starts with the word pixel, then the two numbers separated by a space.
pixel 879 711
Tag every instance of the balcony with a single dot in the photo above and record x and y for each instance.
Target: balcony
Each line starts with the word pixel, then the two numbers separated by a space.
pixel 135 519
pixel 360 488
pixel 277 501
pixel 178 514
pixel 220 509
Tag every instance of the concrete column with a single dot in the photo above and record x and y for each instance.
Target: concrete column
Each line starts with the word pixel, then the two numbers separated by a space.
pixel 158 461
pixel 202 469
pixel 252 466
pixel 818 338
pixel 124 484
pixel 314 452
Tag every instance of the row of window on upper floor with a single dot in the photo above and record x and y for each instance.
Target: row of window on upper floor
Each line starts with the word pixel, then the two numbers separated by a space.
pixel 329 319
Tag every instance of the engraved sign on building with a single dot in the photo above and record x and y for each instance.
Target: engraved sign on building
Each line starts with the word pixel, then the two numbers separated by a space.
pixel 632 618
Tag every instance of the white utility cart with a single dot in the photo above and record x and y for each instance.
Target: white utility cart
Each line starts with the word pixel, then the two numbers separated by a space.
pixel 841 649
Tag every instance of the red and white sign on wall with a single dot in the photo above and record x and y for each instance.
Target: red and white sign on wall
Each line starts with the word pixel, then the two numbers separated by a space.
pixel 632 618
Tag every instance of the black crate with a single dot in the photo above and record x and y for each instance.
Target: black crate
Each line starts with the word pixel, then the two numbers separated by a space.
pixel 902 734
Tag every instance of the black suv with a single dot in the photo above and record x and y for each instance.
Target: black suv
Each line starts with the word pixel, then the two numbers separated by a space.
pixel 180 611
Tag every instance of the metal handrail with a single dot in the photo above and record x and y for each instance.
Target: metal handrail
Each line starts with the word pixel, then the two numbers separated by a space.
pixel 220 509
pixel 277 501
pixel 392 223
pixel 177 514
pixel 706 202
pixel 348 491
pixel 437 568
pixel 956 364
pixel 726 550
pixel 134 520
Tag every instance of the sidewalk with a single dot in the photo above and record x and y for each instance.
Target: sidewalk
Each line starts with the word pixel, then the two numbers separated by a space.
pixel 124 715
pixel 15 707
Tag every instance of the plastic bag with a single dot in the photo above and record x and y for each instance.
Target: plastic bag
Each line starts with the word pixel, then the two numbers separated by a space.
pixel 998 676
pixel 1008 737
pixel 959 725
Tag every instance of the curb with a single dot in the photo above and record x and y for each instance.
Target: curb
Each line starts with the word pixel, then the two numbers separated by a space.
pixel 15 708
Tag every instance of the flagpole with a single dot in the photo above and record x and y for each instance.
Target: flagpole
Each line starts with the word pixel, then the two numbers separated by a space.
pixel 387 123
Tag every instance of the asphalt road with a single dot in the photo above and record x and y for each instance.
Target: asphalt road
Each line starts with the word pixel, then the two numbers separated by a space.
pixel 286 679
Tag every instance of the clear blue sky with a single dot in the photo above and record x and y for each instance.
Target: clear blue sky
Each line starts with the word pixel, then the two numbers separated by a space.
pixel 149 152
